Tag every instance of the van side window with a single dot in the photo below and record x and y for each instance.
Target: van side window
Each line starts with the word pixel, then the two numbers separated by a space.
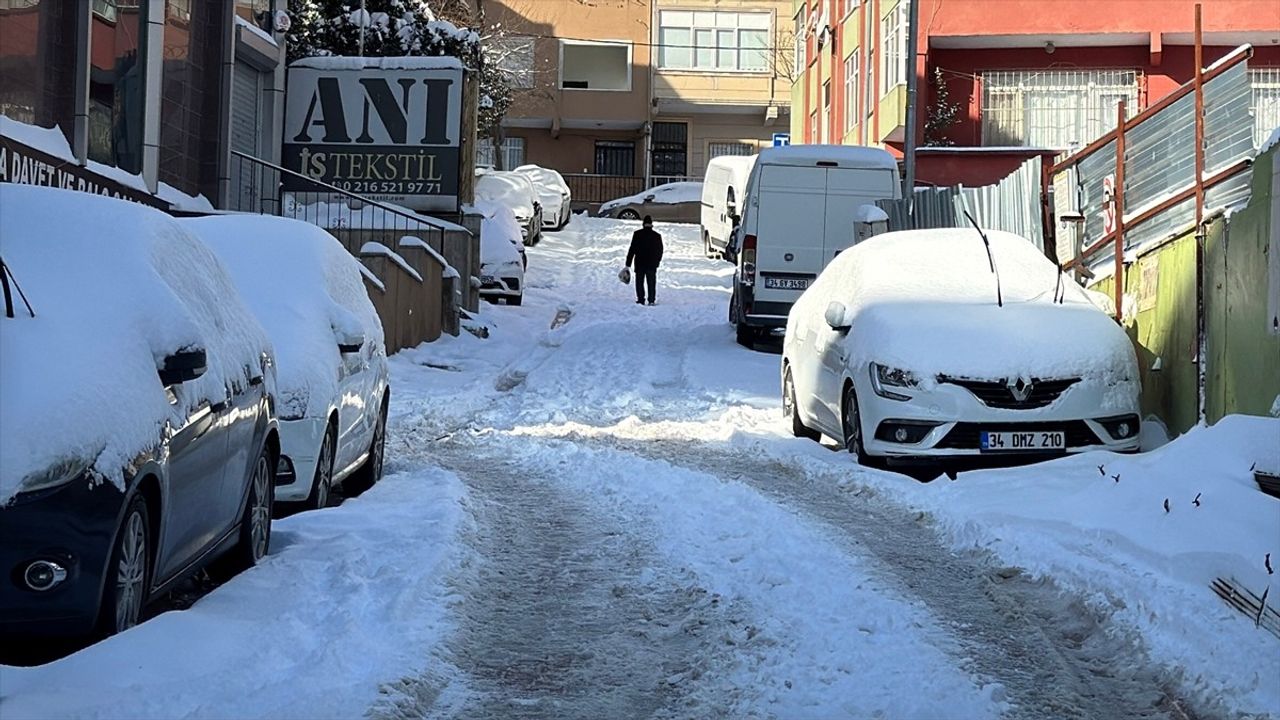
pixel 729 203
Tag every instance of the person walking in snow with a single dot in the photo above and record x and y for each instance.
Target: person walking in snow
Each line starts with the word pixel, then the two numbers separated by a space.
pixel 646 251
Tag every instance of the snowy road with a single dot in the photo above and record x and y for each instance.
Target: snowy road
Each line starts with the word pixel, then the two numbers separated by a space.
pixel 607 519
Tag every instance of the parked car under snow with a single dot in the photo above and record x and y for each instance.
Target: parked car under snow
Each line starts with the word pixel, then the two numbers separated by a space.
pixel 307 291
pixel 553 193
pixel 679 202
pixel 139 441
pixel 516 191
pixel 502 256
pixel 907 348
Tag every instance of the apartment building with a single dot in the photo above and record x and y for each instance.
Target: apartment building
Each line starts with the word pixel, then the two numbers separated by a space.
pixel 162 89
pixel 643 89
pixel 1026 76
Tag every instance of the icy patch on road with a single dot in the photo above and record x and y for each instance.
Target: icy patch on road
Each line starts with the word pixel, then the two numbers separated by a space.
pixel 349 597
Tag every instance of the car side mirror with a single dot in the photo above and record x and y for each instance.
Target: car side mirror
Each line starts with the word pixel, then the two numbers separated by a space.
pixel 183 366
pixel 350 342
pixel 648 198
pixel 835 317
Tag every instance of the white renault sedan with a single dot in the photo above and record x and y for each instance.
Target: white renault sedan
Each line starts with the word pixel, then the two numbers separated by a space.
pixel 307 291
pixel 927 344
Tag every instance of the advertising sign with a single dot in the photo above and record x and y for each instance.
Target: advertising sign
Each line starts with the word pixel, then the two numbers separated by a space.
pixel 25 165
pixel 387 132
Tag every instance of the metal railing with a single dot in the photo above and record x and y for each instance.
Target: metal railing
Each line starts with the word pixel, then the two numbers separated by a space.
pixel 255 187
pixel 592 189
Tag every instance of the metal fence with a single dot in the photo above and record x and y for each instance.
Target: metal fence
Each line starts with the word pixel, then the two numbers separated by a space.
pixel 591 189
pixel 1013 205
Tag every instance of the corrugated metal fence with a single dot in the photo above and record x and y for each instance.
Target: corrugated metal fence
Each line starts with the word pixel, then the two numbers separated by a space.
pixel 1013 204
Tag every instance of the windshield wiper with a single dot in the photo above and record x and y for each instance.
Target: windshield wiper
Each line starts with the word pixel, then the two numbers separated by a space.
pixel 990 258
pixel 7 279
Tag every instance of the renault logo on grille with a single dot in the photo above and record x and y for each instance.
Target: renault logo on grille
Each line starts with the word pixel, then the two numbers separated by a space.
pixel 1020 389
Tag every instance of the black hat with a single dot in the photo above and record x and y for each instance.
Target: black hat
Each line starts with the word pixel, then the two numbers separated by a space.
pixel 647 221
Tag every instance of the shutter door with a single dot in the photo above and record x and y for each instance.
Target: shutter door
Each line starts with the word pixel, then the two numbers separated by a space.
pixel 246 108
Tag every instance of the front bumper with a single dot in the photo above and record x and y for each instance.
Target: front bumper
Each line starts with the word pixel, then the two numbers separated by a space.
pixel 300 443
pixel 949 420
pixel 73 525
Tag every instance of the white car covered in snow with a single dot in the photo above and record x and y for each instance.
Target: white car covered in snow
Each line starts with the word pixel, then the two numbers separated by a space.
pixel 909 347
pixel 502 255
pixel 516 191
pixel 553 193
pixel 307 291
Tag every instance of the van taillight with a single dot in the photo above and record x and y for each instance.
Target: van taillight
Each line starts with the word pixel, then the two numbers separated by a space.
pixel 749 249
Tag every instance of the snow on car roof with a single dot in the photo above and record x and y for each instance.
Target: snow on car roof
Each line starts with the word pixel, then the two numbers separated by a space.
pixel 670 193
pixel 844 155
pixel 506 187
pixel 925 300
pixel 500 236
pixel 116 287
pixel 302 284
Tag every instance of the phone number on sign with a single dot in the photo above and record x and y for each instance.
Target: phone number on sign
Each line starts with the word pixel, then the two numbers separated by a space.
pixel 398 188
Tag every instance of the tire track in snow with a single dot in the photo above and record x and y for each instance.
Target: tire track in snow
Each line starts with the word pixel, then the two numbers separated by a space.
pixel 1055 655
pixel 566 614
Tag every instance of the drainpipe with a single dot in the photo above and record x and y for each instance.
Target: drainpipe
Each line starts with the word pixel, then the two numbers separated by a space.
pixel 909 149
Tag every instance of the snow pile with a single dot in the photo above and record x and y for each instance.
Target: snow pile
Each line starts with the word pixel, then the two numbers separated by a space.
pixel 53 142
pixel 669 194
pixel 116 287
pixel 408 241
pixel 350 599
pixel 379 63
pixel 925 301
pixel 306 290
pixel 515 190
pixel 500 241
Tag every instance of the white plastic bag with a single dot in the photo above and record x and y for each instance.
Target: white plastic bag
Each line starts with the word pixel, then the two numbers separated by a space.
pixel 625 275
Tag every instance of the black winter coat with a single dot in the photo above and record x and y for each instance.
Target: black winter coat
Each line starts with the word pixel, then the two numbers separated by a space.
pixel 646 249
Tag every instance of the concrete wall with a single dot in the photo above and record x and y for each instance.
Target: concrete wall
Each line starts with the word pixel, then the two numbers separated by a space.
pixel 1243 358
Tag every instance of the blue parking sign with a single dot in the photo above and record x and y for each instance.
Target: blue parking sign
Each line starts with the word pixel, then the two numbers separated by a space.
pixel 781 139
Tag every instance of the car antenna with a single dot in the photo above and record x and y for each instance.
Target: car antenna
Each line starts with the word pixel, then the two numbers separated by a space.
pixel 7 278
pixel 990 258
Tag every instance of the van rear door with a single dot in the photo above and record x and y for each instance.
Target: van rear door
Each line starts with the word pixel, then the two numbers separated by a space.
pixel 789 234
pixel 847 189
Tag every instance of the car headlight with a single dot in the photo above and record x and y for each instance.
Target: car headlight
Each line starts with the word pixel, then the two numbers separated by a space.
pixel 884 377
pixel 58 474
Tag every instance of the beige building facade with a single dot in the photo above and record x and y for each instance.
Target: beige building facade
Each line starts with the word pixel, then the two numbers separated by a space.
pixel 642 89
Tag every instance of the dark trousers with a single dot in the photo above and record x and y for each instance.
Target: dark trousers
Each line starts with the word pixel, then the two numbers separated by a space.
pixel 646 275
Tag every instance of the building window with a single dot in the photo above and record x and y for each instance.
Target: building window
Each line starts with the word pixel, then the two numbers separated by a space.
pixel 851 91
pixel 512 152
pixel 38 63
pixel 513 56
pixel 1055 109
pixel 813 126
pixel 800 40
pixel 115 90
pixel 595 65
pixel 616 157
pixel 713 41
pixel 1266 102
pixel 826 110
pixel 720 149
pixel 893 41
pixel 670 149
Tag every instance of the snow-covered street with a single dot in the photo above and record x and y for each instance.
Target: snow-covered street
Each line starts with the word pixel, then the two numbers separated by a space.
pixel 597 512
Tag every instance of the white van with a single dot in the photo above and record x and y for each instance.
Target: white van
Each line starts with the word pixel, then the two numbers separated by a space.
pixel 722 189
pixel 799 213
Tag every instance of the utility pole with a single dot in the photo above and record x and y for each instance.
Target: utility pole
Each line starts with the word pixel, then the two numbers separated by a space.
pixel 909 148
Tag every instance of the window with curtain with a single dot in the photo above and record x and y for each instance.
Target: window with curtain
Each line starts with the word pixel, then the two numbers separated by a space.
pixel 851 91
pixel 714 41
pixel 893 41
pixel 1265 105
pixel 1053 108
pixel 512 152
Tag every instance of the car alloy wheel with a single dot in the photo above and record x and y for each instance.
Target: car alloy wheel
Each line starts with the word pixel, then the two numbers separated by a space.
pixel 260 509
pixel 853 425
pixel 131 571
pixel 320 491
pixel 629 214
pixel 378 451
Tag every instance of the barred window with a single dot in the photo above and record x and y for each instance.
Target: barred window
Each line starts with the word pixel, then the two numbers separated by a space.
pixel 1266 102
pixel 717 149
pixel 512 152
pixel 1054 108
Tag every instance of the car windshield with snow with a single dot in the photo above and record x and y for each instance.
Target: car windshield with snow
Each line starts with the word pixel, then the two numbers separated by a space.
pixel 674 202
pixel 919 345
pixel 139 441
pixel 307 291
pixel 516 191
